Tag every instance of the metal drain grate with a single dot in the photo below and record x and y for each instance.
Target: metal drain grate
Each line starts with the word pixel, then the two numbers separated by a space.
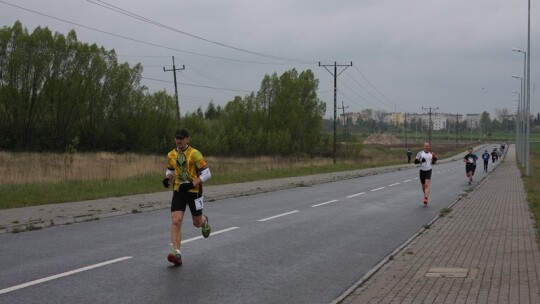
pixel 439 272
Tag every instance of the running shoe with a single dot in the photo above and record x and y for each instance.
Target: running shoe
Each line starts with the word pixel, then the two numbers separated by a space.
pixel 175 257
pixel 425 200
pixel 206 228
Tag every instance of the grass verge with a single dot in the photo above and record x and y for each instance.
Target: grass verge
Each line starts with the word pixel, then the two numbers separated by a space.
pixel 532 184
pixel 25 195
pixel 224 171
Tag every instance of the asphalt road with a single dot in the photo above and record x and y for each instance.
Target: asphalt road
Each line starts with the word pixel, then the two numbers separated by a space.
pixel 300 245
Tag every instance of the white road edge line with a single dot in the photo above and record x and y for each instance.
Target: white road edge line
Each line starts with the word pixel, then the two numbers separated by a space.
pixel 392 185
pixel 276 216
pixel 325 203
pixel 377 189
pixel 357 194
pixel 60 275
pixel 408 180
pixel 200 236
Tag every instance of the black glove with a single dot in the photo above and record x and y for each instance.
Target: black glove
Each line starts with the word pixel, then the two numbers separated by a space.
pixel 166 182
pixel 423 160
pixel 185 187
pixel 416 161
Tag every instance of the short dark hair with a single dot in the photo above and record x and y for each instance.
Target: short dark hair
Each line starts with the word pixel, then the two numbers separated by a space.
pixel 181 134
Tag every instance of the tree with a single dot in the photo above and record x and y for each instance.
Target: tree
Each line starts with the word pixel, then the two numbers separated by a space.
pixel 379 116
pixel 66 92
pixel 212 112
pixel 485 122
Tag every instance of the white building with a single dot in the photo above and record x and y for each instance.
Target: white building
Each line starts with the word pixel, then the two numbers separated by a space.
pixel 472 120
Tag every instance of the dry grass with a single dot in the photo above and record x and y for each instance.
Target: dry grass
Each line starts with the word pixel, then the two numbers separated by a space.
pixel 25 168
pixel 42 168
pixel 31 168
pixel 58 178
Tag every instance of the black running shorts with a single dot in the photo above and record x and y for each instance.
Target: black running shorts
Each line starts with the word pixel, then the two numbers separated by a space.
pixel 182 199
pixel 424 175
pixel 470 168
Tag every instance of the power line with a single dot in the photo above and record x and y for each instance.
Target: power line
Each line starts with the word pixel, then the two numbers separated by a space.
pixel 358 94
pixel 391 106
pixel 212 78
pixel 430 123
pixel 345 120
pixel 150 21
pixel 174 69
pixel 367 80
pixel 194 85
pixel 138 40
pixel 335 74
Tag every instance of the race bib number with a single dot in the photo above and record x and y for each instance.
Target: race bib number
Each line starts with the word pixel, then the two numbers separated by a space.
pixel 199 203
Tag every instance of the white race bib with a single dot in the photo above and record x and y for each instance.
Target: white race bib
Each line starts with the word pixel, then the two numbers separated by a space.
pixel 199 203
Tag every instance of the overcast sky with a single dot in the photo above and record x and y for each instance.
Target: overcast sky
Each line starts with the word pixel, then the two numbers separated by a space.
pixel 454 55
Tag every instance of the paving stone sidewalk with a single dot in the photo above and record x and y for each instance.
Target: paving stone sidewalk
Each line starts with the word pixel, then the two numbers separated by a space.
pixel 483 251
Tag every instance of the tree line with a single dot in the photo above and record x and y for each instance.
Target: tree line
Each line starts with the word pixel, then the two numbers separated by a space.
pixel 59 94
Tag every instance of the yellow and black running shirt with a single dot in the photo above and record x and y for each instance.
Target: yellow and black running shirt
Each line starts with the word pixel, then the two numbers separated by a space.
pixel 186 165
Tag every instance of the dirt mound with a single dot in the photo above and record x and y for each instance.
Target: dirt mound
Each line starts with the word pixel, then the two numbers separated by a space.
pixel 382 139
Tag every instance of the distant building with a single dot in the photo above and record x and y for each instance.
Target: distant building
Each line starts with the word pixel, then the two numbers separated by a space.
pixel 352 116
pixel 439 121
pixel 472 120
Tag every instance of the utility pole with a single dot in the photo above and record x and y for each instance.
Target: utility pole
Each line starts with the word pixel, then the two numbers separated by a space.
pixel 457 129
pixel 345 120
pixel 335 74
pixel 527 153
pixel 430 124
pixel 406 144
pixel 174 69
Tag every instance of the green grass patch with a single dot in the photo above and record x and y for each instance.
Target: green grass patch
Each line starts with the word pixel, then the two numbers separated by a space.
pixel 224 171
pixel 24 195
pixel 532 184
pixel 445 211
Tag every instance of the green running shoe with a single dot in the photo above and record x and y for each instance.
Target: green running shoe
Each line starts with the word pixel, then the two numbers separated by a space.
pixel 205 229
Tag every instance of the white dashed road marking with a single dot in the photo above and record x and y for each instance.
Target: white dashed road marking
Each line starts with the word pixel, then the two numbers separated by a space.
pixel 276 216
pixel 357 194
pixel 213 233
pixel 325 203
pixel 60 275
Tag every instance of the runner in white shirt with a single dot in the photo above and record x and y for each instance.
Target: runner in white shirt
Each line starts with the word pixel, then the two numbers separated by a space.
pixel 425 158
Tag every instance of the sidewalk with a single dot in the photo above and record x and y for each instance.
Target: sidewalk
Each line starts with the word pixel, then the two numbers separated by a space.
pixel 483 251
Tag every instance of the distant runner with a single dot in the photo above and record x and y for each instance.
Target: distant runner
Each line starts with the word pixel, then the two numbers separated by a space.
pixel 425 158
pixel 485 157
pixel 494 155
pixel 470 164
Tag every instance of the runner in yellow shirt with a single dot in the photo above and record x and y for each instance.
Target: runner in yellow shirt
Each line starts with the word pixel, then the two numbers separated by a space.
pixel 186 171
